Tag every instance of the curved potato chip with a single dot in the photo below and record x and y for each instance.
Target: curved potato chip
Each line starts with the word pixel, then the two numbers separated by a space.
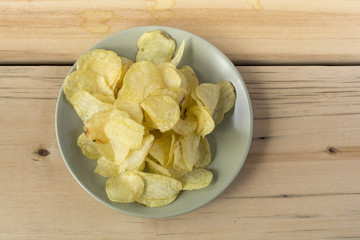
pixel 106 167
pixel 132 108
pixel 170 162
pixel 94 127
pixel 205 123
pixel 106 150
pixel 159 190
pixel 190 76
pixel 176 60
pixel 125 187
pixel 177 173
pixel 196 179
pixel 176 93
pixel 227 98
pixel 170 75
pixel 208 93
pixel 156 47
pixel 119 82
pixel 190 151
pixel 126 61
pixel 88 147
pixel 89 81
pixel 157 168
pixel 205 154
pixel 160 149
pixel 186 126
pixel 163 111
pixel 178 161
pixel 140 81
pixel 104 62
pixel 86 105
pixel 137 157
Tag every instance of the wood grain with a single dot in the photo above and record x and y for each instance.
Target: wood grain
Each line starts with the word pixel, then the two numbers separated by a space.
pixel 247 31
pixel 300 181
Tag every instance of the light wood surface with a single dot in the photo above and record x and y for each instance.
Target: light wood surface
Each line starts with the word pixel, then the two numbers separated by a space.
pixel 300 181
pixel 247 31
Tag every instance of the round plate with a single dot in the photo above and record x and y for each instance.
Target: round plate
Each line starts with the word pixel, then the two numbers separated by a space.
pixel 229 142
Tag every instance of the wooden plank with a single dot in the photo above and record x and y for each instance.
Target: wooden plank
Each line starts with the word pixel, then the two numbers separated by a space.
pixel 300 181
pixel 248 31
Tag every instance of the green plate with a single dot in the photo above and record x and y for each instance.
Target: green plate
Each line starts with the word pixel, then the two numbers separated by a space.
pixel 229 142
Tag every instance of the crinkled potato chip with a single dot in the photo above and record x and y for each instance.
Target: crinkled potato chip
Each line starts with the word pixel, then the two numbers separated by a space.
pixel 226 101
pixel 156 47
pixel 86 105
pixel 88 147
pixel 106 167
pixel 158 190
pixel 94 127
pixel 205 154
pixel 196 179
pixel 104 62
pixel 157 168
pixel 205 123
pixel 160 150
pixel 208 93
pixel 176 60
pixel 163 110
pixel 132 108
pixel 125 187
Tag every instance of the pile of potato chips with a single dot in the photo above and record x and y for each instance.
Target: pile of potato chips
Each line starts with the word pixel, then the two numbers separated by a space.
pixel 146 121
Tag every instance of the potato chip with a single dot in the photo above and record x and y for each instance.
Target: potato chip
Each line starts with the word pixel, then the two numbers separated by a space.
pixel 176 93
pixel 164 111
pixel 205 123
pixel 140 81
pixel 85 80
pixel 136 157
pixel 190 152
pixel 125 187
pixel 170 162
pixel 126 130
pixel 119 82
pixel 170 75
pixel 158 190
pixel 160 149
pixel 126 61
pixel 103 62
pixel 176 60
pixel 157 168
pixel 190 76
pixel 106 150
pixel 208 93
pixel 94 127
pixel 226 101
pixel 186 126
pixel 86 105
pixel 156 47
pixel 106 167
pixel 178 161
pixel 177 173
pixel 205 154
pixel 196 179
pixel 132 108
pixel 88 147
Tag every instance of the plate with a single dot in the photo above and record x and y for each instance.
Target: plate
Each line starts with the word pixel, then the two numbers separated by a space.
pixel 229 142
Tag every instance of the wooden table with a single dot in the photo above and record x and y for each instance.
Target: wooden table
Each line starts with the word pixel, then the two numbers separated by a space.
pixel 301 64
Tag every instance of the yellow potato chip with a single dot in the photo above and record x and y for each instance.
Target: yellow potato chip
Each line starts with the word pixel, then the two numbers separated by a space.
pixel 124 129
pixel 140 81
pixel 190 152
pixel 104 62
pixel 176 93
pixel 160 149
pixel 86 105
pixel 88 147
pixel 205 154
pixel 106 167
pixel 119 82
pixel 208 93
pixel 125 187
pixel 157 168
pixel 186 126
pixel 177 173
pixel 205 123
pixel 227 98
pixel 94 127
pixel 178 160
pixel 126 61
pixel 170 75
pixel 196 179
pixel 132 108
pixel 170 162
pixel 136 157
pixel 156 47
pixel 176 60
pixel 106 150
pixel 163 110
pixel 190 76
pixel 86 80
pixel 158 190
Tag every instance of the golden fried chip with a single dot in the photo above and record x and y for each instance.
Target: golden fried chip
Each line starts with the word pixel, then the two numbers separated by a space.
pixel 176 60
pixel 104 62
pixel 88 147
pixel 136 157
pixel 126 61
pixel 177 173
pixel 205 123
pixel 226 101
pixel 125 187
pixel 87 80
pixel 163 110
pixel 186 126
pixel 190 76
pixel 170 162
pixel 196 179
pixel 106 167
pixel 160 149
pixel 190 151
pixel 205 154
pixel 86 105
pixel 170 75
pixel 178 160
pixel 208 93
pixel 157 168
pixel 106 150
pixel 94 127
pixel 158 190
pixel 156 47
pixel 132 108
pixel 119 82
pixel 140 81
